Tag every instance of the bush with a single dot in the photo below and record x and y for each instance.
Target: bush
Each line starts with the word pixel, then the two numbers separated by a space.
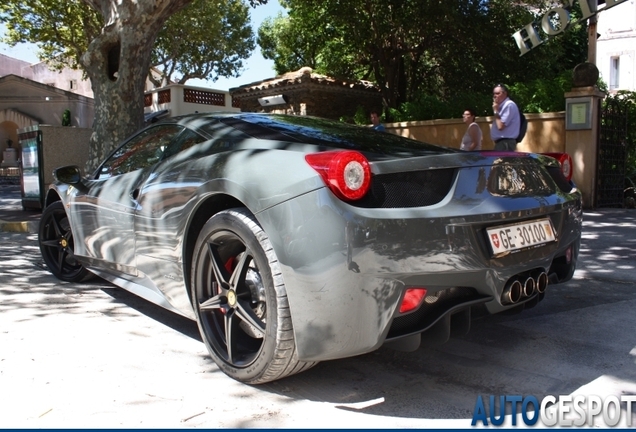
pixel 538 96
pixel 428 107
pixel 542 95
pixel 628 100
pixel 66 118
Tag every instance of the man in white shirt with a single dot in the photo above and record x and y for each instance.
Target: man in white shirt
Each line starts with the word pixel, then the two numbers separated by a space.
pixel 505 129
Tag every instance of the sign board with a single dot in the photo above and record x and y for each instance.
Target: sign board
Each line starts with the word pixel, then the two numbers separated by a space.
pixel 578 113
pixel 31 143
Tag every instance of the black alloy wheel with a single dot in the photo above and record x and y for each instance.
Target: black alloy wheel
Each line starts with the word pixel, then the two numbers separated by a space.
pixel 243 316
pixel 56 245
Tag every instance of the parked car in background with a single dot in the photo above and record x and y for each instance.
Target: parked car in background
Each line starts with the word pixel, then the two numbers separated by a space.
pixel 293 240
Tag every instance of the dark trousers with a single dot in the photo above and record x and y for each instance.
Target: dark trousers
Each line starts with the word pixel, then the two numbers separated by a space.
pixel 506 144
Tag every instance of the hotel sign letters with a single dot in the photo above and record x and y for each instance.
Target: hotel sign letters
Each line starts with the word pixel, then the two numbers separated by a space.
pixel 555 21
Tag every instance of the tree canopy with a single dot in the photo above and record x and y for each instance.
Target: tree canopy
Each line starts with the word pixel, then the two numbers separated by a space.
pixel 413 49
pixel 182 51
pixel 206 40
pixel 417 49
pixel 61 29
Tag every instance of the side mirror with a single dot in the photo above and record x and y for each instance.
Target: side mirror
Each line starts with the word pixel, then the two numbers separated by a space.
pixel 70 175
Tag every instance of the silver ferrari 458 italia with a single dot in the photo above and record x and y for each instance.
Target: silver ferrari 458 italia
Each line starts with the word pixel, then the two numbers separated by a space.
pixel 292 240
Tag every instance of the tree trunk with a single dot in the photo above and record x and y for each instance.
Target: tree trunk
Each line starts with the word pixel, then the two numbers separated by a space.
pixel 117 63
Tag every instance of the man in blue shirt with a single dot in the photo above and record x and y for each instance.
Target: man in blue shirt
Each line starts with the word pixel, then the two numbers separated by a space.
pixel 505 129
pixel 375 121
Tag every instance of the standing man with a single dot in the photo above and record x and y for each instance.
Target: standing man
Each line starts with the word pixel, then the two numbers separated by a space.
pixel 505 129
pixel 375 121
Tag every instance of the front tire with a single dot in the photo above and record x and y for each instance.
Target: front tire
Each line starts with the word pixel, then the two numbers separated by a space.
pixel 240 300
pixel 56 245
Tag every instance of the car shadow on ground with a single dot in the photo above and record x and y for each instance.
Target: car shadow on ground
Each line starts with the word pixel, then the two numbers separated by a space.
pixel 170 319
pixel 580 333
pixel 525 354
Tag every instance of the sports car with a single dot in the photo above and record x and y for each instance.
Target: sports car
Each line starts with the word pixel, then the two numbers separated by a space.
pixel 293 240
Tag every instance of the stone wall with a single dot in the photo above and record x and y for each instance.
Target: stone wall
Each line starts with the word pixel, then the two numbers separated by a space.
pixel 45 148
pixel 307 93
pixel 546 132
pixel 63 146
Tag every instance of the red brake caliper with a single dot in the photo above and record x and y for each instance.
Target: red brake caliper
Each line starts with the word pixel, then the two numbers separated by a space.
pixel 229 264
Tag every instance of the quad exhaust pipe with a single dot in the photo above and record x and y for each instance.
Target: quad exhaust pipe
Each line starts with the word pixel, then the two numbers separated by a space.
pixel 542 282
pixel 521 286
pixel 512 292
pixel 529 286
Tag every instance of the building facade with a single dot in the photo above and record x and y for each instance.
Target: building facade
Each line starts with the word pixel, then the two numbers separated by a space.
pixel 179 99
pixel 24 102
pixel 616 46
pixel 304 92
pixel 66 79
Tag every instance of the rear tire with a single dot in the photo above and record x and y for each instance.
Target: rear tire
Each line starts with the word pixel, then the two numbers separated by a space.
pixel 56 245
pixel 240 300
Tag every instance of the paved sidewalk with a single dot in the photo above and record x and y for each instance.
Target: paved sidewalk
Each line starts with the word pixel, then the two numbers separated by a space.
pixel 89 355
pixel 13 217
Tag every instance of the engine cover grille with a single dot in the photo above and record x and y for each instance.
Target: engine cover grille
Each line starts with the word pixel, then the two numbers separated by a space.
pixel 408 189
pixel 559 179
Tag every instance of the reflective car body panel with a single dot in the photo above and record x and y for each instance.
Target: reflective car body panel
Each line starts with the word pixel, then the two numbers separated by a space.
pixel 435 248
pixel 346 265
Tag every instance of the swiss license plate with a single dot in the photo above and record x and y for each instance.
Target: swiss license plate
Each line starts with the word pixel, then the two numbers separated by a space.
pixel 508 238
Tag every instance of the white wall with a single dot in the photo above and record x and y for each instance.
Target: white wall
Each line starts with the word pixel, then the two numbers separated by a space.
pixel 617 29
pixel 177 105
pixel 65 79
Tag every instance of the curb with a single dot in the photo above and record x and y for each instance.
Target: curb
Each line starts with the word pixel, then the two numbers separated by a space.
pixel 20 227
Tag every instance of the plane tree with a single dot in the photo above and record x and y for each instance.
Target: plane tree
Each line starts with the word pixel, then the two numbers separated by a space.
pixel 205 40
pixel 112 42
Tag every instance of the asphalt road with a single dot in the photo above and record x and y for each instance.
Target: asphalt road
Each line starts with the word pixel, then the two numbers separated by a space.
pixel 94 356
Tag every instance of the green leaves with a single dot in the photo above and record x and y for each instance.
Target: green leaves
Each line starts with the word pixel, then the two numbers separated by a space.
pixel 61 29
pixel 205 40
pixel 418 51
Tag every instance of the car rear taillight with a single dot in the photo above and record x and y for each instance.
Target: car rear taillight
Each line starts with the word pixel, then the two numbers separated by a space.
pixel 566 163
pixel 412 299
pixel 346 172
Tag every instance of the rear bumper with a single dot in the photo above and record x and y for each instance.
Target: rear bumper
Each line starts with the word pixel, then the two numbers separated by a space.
pixel 346 269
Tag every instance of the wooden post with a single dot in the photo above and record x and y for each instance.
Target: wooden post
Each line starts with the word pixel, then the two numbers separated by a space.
pixel 591 39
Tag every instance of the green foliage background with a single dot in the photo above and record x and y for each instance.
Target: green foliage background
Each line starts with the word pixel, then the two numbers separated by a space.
pixel 205 40
pixel 536 96
pixel 431 59
pixel 628 101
